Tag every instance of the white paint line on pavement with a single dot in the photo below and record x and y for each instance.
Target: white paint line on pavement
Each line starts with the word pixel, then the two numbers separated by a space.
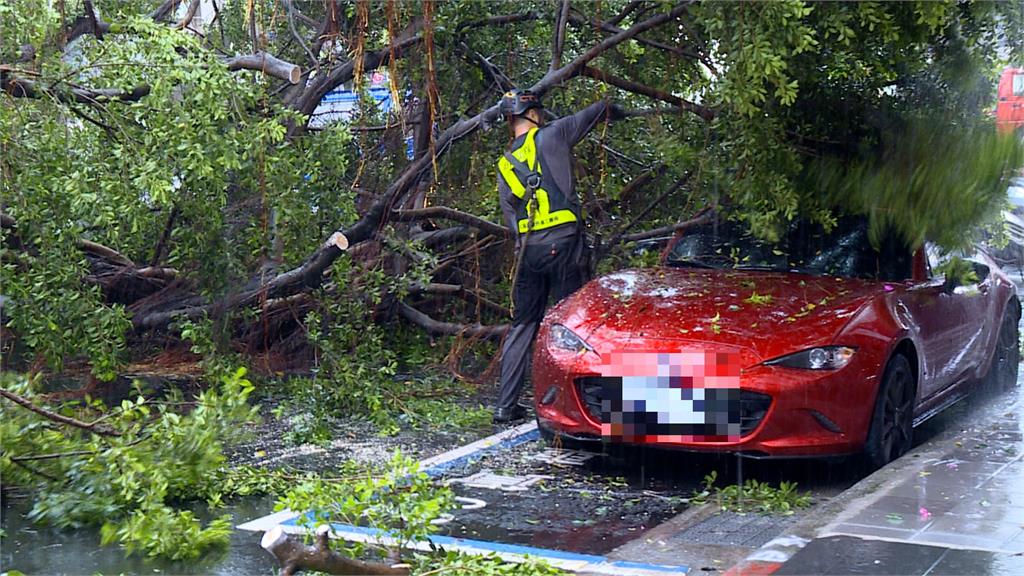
pixel 776 551
pixel 585 563
pixel 267 522
pixel 507 438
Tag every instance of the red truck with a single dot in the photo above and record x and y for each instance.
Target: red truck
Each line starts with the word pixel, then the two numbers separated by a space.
pixel 1010 107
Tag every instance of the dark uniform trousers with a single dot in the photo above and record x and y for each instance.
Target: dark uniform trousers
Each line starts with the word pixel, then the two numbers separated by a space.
pixel 548 269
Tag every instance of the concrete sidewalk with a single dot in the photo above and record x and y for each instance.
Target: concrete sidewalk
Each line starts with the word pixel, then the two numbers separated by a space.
pixel 954 505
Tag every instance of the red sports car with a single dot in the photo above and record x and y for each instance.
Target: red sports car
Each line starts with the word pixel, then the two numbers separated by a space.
pixel 818 344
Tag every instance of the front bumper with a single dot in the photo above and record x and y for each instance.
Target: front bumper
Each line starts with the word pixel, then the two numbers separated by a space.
pixel 783 412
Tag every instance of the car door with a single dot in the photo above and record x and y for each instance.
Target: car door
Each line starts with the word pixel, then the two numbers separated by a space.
pixel 948 326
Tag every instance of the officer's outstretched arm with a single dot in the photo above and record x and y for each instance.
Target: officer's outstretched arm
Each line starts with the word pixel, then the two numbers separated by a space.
pixel 575 127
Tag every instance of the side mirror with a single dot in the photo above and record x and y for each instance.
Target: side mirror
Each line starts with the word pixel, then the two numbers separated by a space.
pixel 980 271
pixel 950 284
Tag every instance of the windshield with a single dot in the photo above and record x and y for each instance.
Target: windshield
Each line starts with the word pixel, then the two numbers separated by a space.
pixel 807 248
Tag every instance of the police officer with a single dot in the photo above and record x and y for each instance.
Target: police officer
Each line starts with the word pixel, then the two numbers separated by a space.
pixel 540 206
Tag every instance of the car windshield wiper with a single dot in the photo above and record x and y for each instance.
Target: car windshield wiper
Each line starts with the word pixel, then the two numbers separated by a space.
pixel 765 267
pixel 691 263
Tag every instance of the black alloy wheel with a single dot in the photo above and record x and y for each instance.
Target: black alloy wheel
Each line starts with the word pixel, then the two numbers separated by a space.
pixel 1002 374
pixel 892 423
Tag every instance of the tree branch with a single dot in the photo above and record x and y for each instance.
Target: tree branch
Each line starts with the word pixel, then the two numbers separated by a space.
pixel 499 77
pixel 88 23
pixel 104 252
pixel 295 34
pixel 53 456
pixel 460 291
pixel 447 328
pixel 432 238
pixel 101 125
pixel 24 88
pixel 164 10
pixel 580 20
pixel 644 112
pixel 311 97
pixel 636 88
pixel 703 216
pixel 71 454
pixel 190 14
pixel 499 20
pixel 559 40
pixel 90 12
pixel 328 28
pixel 556 77
pixel 451 214
pixel 640 181
pixel 295 556
pixel 161 244
pixel 33 470
pixel 267 64
pixel 647 209
pixel 59 418
pixel 626 11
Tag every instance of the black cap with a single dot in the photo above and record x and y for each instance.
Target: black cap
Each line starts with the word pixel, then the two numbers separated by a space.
pixel 519 102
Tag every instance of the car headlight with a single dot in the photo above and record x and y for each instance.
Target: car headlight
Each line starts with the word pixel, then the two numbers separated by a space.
pixel 824 358
pixel 566 339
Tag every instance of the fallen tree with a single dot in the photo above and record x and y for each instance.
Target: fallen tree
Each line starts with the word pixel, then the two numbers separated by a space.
pixel 160 300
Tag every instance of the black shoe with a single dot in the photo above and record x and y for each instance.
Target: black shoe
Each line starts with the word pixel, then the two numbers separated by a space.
pixel 502 415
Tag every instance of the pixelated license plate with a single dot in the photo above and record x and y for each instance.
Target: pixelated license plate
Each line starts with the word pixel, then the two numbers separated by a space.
pixel 670 397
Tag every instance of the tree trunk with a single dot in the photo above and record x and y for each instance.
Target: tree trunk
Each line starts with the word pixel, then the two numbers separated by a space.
pixel 295 556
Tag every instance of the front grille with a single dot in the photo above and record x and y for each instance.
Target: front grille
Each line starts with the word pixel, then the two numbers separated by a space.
pixel 753 405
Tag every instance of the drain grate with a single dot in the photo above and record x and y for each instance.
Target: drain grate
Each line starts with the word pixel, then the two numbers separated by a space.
pixel 731 528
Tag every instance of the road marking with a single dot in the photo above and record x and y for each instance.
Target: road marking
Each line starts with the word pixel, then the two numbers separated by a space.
pixel 473 451
pixel 769 557
pixel 467 504
pixel 490 481
pixel 587 563
pixel 562 457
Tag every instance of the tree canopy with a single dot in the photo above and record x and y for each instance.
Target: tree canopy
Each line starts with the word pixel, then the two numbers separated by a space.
pixel 163 164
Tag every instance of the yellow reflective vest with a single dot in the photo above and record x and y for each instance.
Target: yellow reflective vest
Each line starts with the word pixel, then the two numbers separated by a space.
pixel 549 207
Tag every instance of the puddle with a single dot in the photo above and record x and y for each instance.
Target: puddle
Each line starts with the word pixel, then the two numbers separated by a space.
pixel 34 549
pixel 574 501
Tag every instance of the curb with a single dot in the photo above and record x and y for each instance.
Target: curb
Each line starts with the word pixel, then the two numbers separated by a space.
pixel 771 556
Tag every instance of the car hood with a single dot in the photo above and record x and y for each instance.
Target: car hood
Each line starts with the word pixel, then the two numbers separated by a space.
pixel 765 314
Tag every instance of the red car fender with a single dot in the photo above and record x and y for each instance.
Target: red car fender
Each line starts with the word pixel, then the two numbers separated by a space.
pixel 1004 295
pixel 880 328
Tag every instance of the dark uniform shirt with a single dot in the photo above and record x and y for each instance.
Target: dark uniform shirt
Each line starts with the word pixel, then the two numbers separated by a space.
pixel 555 143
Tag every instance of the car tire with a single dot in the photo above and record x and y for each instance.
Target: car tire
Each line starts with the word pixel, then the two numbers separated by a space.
pixel 892 421
pixel 1002 373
